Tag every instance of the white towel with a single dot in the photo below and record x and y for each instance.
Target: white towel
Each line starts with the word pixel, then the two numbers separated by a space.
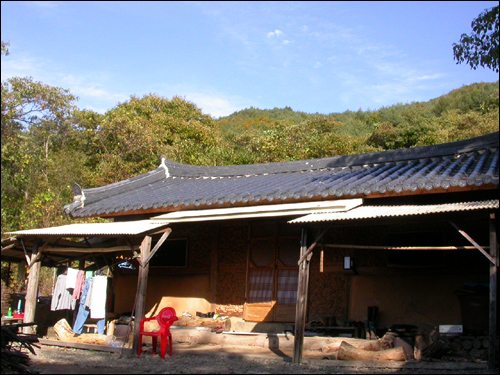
pixel 98 297
pixel 71 279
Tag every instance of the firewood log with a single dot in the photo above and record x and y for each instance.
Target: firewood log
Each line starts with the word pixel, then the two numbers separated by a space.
pixel 348 352
pixel 65 333
pixel 386 342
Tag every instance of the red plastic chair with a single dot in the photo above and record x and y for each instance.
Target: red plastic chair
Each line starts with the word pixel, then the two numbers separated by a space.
pixel 165 319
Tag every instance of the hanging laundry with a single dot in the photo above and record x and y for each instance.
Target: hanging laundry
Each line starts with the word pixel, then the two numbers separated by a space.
pixel 98 298
pixel 80 283
pixel 88 300
pixel 83 312
pixel 62 298
pixel 71 280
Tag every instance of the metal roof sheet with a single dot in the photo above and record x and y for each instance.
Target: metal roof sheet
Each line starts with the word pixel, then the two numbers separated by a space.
pixel 130 228
pixel 259 211
pixel 379 211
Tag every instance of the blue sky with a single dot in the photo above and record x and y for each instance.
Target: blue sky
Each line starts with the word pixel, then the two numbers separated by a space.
pixel 323 57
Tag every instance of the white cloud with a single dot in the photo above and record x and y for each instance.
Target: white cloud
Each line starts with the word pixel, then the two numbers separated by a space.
pixel 318 65
pixel 214 104
pixel 275 33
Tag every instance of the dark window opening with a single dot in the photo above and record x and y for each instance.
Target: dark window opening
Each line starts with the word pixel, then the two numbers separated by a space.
pixel 172 253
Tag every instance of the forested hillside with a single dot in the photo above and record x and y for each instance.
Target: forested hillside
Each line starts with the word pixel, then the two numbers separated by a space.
pixel 48 144
pixel 282 134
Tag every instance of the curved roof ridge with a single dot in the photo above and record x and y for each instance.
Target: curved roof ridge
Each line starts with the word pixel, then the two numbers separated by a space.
pixel 458 147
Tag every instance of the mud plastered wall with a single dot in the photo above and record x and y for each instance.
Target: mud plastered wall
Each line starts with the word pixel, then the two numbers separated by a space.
pixel 187 289
pixel 231 274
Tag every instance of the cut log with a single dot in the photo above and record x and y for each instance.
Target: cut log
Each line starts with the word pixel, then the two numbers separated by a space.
pixel 485 343
pixel 456 345
pixel 65 333
pixel 476 353
pixel 386 342
pixel 437 349
pixel 476 343
pixel 347 352
pixel 467 344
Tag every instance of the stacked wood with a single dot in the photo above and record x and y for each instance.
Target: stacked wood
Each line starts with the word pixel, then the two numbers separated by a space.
pixel 437 346
pixel 65 333
pixel 14 358
pixel 470 347
pixel 348 352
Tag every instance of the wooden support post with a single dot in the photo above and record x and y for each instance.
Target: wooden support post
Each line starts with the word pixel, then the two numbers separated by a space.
pixel 300 315
pixel 142 286
pixel 21 273
pixel 214 265
pixel 493 295
pixel 31 294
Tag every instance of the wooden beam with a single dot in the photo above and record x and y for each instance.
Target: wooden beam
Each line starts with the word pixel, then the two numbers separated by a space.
pixel 25 252
pixel 493 294
pixel 476 245
pixel 142 285
pixel 52 249
pixel 133 248
pixel 31 293
pixel 311 248
pixel 38 255
pixel 300 315
pixel 157 246
pixel 8 247
pixel 404 248
pixel 214 264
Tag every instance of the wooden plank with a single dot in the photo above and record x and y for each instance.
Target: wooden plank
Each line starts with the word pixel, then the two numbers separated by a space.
pixel 31 293
pixel 493 294
pixel 76 345
pixel 141 291
pixel 476 245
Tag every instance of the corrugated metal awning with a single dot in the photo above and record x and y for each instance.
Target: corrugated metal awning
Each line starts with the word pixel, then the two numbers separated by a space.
pixel 125 228
pixel 271 210
pixel 373 212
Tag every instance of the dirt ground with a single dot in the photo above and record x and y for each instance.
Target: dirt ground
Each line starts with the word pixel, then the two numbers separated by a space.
pixel 218 359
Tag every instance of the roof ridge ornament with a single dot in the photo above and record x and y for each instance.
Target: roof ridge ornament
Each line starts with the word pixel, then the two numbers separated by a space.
pixel 164 165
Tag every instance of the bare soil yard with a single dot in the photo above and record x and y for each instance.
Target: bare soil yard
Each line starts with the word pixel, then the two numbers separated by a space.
pixel 219 359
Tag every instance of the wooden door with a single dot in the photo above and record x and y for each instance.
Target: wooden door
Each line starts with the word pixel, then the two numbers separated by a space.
pixel 272 278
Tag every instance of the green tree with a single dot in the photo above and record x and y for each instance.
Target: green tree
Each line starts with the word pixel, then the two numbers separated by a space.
pixel 481 47
pixel 132 136
pixel 34 119
pixel 5 50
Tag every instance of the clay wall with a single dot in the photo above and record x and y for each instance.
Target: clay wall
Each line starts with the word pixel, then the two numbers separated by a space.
pixel 186 289
pixel 231 272
pixel 404 295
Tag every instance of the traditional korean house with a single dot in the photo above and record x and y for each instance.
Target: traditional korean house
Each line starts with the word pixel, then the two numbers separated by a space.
pixel 404 237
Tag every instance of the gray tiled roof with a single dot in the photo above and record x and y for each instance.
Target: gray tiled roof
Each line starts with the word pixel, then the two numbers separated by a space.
pixel 459 165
